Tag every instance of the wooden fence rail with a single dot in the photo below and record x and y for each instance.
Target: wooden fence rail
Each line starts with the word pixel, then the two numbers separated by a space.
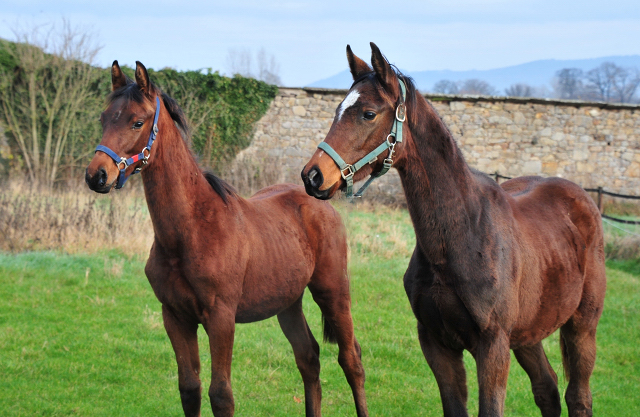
pixel 600 192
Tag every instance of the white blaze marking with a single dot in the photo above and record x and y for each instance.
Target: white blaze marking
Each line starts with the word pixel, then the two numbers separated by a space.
pixel 349 101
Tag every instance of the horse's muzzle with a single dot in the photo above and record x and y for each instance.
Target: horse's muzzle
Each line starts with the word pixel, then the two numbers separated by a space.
pixel 98 181
pixel 313 180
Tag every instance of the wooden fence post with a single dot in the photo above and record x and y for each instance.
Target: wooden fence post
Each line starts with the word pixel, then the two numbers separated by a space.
pixel 600 199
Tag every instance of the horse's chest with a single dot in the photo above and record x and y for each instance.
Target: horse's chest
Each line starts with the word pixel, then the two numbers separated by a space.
pixel 440 310
pixel 172 289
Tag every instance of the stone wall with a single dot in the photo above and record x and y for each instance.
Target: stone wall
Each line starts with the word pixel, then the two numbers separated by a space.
pixel 593 144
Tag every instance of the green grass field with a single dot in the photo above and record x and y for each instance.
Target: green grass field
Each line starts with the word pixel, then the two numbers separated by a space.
pixel 82 335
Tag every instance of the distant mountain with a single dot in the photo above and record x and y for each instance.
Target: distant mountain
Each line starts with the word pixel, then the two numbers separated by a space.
pixel 536 74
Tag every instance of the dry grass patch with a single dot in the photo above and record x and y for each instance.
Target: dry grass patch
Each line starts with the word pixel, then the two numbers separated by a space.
pixel 73 219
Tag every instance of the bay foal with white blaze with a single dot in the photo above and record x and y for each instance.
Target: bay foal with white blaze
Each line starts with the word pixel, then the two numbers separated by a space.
pixel 219 259
pixel 496 267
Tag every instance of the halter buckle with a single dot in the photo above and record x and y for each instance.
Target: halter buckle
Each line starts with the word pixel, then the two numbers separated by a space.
pixel 401 112
pixel 351 171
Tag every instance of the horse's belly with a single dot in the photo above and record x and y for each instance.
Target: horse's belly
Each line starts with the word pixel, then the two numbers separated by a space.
pixel 542 316
pixel 268 294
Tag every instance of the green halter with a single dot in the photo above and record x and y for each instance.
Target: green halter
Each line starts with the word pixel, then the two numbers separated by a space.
pixel 348 171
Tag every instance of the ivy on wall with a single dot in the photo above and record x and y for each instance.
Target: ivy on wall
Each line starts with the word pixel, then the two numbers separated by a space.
pixel 221 110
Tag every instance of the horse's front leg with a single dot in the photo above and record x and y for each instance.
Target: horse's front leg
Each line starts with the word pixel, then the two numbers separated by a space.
pixel 448 368
pixel 220 324
pixel 183 335
pixel 307 354
pixel 492 359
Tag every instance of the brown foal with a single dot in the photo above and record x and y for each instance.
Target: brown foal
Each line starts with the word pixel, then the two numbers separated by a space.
pixel 219 259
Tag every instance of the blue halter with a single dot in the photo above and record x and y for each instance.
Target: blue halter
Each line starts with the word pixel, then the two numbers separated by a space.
pixel 348 170
pixel 125 162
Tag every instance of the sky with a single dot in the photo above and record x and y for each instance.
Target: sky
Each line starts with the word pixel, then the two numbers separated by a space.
pixel 308 38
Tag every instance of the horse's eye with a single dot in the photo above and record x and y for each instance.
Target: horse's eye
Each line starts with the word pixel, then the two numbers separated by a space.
pixel 369 115
pixel 137 125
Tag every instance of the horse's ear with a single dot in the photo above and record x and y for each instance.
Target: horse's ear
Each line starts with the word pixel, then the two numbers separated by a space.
pixel 118 79
pixel 142 78
pixel 384 72
pixel 356 65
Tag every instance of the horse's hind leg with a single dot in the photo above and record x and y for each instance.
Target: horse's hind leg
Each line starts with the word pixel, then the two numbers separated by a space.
pixel 307 353
pixel 579 355
pixel 544 381
pixel 334 301
pixel 184 339
pixel 578 340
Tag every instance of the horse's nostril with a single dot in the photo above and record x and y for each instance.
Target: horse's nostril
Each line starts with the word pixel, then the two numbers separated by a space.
pixel 102 177
pixel 315 178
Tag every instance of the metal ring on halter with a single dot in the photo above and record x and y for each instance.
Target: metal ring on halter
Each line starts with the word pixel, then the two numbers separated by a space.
pixel 123 160
pixel 145 158
pixel 391 135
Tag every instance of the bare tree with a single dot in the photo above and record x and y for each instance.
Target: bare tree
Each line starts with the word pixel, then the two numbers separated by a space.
pixel 446 87
pixel 42 97
pixel 568 83
pixel 519 90
pixel 612 83
pixel 240 61
pixel 476 86
pixel 268 68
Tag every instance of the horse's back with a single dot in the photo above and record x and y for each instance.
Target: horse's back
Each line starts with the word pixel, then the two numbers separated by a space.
pixel 542 197
pixel 321 223
pixel 317 220
pixel 289 198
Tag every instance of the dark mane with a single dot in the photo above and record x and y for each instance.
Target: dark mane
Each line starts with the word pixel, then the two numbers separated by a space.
pixel 434 127
pixel 131 92
pixel 221 187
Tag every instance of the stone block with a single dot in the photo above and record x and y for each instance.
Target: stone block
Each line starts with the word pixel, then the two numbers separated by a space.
pixel 580 154
pixel 299 111
pixel 546 132
pixel 633 170
pixel 532 167
pixel 519 119
pixel 457 105
pixel 628 156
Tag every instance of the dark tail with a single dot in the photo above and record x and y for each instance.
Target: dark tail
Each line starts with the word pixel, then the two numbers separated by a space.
pixel 565 357
pixel 328 332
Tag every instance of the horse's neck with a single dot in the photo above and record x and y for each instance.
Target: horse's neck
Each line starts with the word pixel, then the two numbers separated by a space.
pixel 176 190
pixel 439 187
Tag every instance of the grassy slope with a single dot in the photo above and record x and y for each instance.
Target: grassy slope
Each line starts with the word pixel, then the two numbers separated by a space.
pixel 82 335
